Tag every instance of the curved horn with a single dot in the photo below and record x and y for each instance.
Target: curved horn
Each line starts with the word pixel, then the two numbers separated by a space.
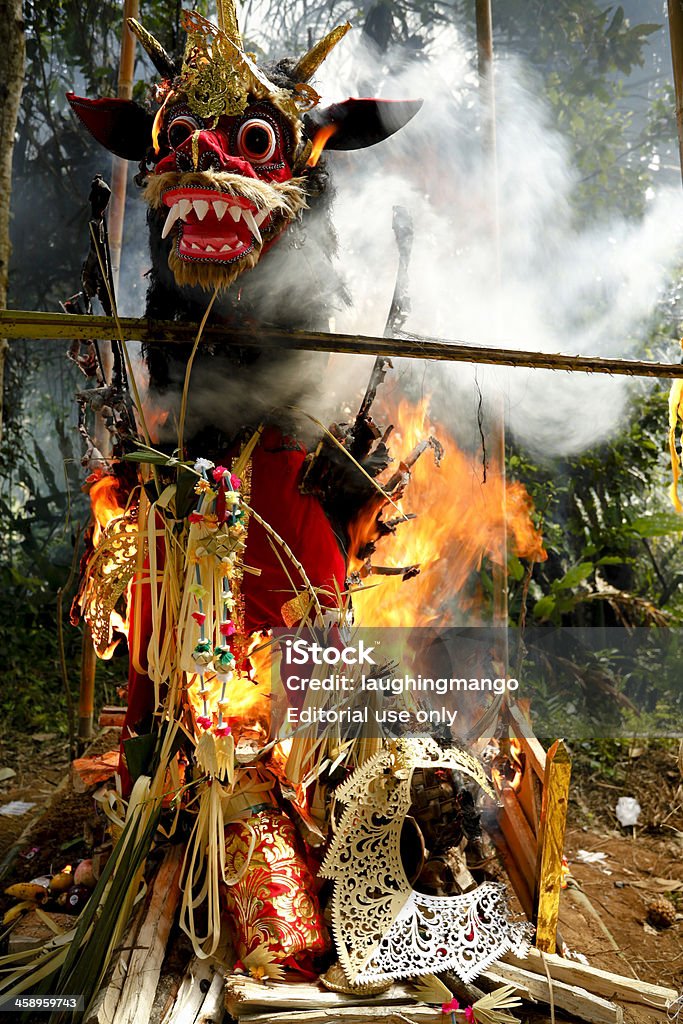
pixel 311 61
pixel 227 21
pixel 161 60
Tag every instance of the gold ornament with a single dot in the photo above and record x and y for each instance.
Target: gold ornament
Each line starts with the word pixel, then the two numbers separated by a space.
pixel 155 51
pixel 109 571
pixel 311 61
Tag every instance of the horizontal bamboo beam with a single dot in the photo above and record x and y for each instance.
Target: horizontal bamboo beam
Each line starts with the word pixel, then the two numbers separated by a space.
pixel 53 326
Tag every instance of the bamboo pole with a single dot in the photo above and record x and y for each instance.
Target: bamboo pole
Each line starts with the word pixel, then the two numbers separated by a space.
pixel 117 206
pixel 676 37
pixel 57 326
pixel 551 844
pixel 13 48
pixel 484 26
pixel 117 210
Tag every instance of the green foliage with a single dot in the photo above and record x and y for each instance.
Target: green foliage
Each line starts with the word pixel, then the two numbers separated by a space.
pixel 613 539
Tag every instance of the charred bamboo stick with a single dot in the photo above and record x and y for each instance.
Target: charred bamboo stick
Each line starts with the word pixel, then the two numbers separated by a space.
pixel 520 839
pixel 515 872
pixel 56 326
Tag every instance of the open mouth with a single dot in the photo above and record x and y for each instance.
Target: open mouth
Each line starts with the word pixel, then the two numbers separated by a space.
pixel 211 225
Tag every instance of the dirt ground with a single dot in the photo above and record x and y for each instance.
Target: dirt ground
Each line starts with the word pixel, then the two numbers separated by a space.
pixel 637 866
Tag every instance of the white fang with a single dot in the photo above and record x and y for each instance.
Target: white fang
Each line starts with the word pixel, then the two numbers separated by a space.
pixel 252 225
pixel 172 217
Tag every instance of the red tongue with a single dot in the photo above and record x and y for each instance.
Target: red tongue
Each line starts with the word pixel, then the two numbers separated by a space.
pixel 193 233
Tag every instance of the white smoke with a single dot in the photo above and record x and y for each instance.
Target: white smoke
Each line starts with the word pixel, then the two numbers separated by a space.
pixel 555 288
pixel 547 287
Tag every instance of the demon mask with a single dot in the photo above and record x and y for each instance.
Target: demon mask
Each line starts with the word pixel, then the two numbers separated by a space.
pixel 230 157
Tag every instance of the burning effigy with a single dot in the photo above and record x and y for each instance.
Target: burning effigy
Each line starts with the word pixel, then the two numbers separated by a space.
pixel 252 525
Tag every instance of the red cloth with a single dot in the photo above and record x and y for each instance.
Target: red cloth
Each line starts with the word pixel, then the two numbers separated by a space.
pixel 300 521
pixel 273 906
pixel 276 468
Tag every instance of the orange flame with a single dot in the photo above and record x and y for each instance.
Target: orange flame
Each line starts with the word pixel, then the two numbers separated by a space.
pixel 159 118
pixel 322 137
pixel 104 503
pixel 507 768
pixel 566 873
pixel 461 520
pixel 249 695
pixel 156 130
pixel 156 419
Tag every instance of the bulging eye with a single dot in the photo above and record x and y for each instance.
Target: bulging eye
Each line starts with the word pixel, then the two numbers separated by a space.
pixel 181 128
pixel 257 140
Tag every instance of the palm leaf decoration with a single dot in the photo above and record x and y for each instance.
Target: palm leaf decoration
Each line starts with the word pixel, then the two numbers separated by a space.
pixel 493 1008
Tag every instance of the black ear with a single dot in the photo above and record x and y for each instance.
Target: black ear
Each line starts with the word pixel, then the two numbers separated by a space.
pixel 361 123
pixel 121 126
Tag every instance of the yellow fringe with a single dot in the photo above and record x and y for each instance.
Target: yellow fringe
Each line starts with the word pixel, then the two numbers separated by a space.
pixel 675 413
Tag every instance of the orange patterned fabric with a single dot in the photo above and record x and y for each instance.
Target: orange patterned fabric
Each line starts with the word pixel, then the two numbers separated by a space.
pixel 273 905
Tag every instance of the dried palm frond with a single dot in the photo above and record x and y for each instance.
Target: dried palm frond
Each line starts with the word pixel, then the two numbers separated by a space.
pixel 432 990
pixel 493 1008
pixel 261 965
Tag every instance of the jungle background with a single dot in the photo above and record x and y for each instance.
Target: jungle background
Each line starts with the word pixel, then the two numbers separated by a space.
pixel 613 540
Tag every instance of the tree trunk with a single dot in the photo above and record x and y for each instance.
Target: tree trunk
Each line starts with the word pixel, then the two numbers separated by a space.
pixel 12 48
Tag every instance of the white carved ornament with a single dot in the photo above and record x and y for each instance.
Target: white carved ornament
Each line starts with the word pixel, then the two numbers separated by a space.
pixel 383 928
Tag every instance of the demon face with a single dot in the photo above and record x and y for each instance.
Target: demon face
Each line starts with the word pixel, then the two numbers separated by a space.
pixel 229 158
pixel 222 190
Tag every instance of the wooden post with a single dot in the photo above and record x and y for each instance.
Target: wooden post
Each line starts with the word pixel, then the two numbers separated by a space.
pixel 86 695
pixel 551 845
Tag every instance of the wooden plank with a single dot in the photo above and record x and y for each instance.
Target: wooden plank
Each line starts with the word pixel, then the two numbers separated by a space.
pixel 571 998
pixel 518 835
pixel 354 1015
pixel 202 975
pixel 243 995
pixel 551 845
pixel 533 749
pixel 212 1010
pixel 45 326
pixel 530 795
pixel 601 983
pixel 516 876
pixel 112 717
pixel 103 1009
pixel 139 990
